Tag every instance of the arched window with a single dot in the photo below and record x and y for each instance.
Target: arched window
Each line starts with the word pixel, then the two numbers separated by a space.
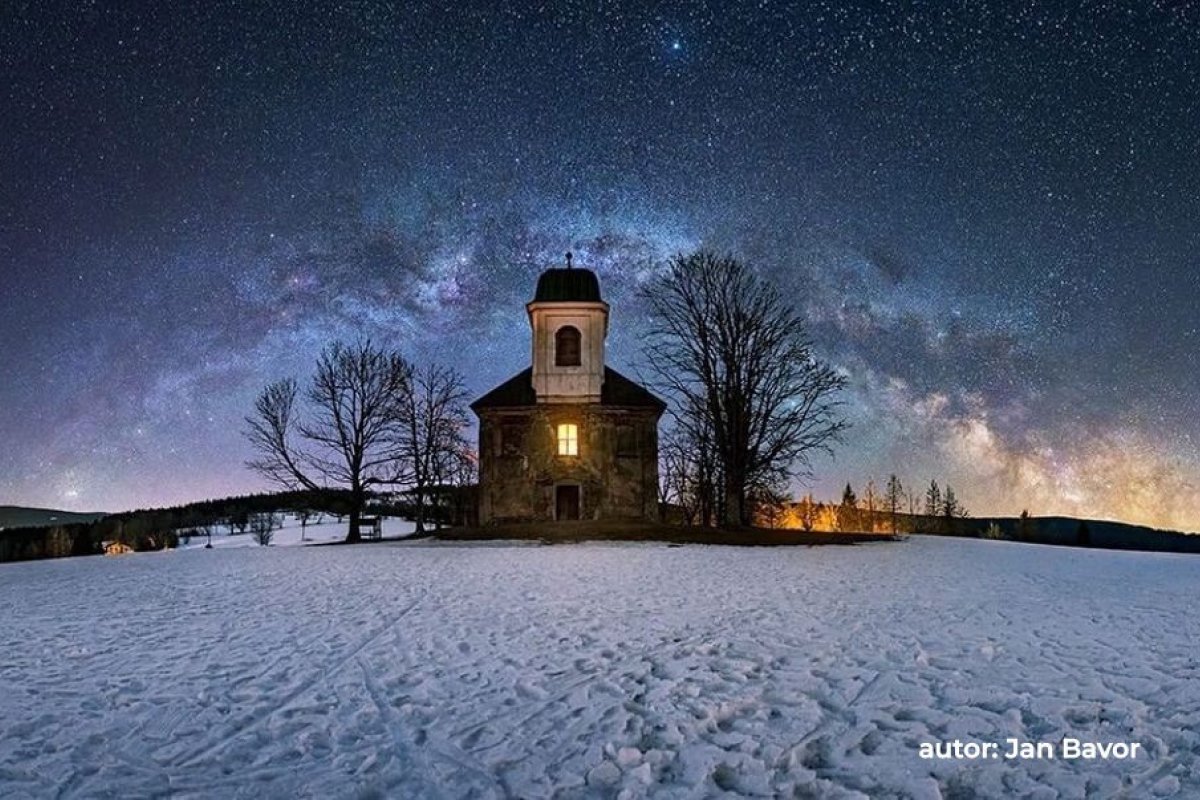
pixel 566 347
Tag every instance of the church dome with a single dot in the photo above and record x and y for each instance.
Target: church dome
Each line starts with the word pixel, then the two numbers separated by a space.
pixel 567 284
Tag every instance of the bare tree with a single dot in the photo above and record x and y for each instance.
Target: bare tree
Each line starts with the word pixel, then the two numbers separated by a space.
pixel 688 472
pixel 348 439
pixel 871 504
pixel 736 361
pixel 673 483
pixel 951 508
pixel 770 507
pixel 432 417
pixel 460 471
pixel 304 515
pixel 206 529
pixel 237 522
pixel 933 507
pixel 952 511
pixel 933 499
pixel 847 512
pixel 893 497
pixel 809 512
pixel 262 527
pixel 913 510
pixel 454 469
pixel 1026 527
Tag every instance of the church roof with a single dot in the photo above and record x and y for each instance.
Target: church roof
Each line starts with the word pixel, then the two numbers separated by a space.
pixel 617 390
pixel 567 284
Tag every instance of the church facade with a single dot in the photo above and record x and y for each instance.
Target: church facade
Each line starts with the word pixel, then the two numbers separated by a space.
pixel 568 438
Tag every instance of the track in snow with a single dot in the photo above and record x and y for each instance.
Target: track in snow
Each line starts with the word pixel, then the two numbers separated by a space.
pixel 436 670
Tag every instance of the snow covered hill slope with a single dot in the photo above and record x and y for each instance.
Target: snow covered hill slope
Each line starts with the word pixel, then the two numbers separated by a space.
pixel 322 530
pixel 21 517
pixel 426 670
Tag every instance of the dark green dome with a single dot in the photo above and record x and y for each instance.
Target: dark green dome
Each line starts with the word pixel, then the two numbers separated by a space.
pixel 567 284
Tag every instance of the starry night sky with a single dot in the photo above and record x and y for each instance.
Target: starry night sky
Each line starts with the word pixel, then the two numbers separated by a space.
pixel 991 214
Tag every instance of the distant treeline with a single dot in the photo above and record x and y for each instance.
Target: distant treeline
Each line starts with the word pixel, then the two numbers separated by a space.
pixel 1100 534
pixel 158 528
pixel 873 515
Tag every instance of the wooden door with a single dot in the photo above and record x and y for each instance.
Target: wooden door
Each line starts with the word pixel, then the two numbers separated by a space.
pixel 566 505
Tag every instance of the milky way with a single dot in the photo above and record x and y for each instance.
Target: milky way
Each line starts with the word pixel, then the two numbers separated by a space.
pixel 989 215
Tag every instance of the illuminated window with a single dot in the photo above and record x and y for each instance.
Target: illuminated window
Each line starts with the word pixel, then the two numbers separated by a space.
pixel 566 347
pixel 568 439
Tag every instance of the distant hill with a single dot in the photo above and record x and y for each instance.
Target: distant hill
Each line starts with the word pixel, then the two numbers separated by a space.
pixel 20 517
pixel 32 533
pixel 1103 534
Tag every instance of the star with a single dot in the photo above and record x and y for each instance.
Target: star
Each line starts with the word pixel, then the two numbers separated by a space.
pixel 956 220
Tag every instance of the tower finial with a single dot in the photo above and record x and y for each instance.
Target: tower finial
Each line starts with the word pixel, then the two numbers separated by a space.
pixel 568 259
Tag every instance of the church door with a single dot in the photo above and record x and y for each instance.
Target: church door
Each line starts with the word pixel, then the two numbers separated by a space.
pixel 566 502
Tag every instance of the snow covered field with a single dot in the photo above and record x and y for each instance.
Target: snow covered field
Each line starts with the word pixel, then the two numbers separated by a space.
pixel 322 529
pixel 428 670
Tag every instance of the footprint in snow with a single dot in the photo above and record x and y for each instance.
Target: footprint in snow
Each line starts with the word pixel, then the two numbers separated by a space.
pixel 530 692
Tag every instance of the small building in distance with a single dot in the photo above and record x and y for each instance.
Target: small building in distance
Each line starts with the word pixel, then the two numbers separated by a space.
pixel 568 438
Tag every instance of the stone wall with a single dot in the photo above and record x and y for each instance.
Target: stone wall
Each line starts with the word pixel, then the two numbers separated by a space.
pixel 616 469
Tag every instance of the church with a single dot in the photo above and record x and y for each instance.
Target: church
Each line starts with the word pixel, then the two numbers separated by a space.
pixel 568 438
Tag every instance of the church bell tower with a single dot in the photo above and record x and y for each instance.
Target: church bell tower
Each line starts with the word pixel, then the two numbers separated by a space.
pixel 570 322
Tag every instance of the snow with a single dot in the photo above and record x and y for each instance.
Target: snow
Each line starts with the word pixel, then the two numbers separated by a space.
pixel 423 669
pixel 322 529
